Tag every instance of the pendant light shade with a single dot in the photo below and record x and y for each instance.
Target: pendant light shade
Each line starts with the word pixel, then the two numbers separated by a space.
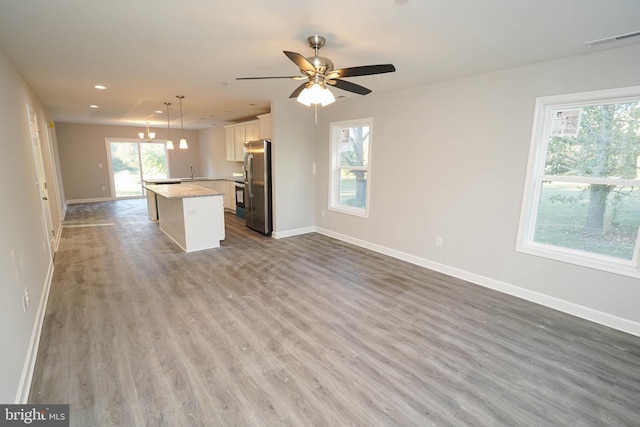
pixel 183 142
pixel 169 141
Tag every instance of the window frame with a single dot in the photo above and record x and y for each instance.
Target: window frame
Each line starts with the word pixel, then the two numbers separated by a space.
pixel 112 185
pixel 335 129
pixel 540 136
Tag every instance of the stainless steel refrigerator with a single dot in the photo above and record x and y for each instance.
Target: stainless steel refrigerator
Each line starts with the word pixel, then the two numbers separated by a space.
pixel 257 186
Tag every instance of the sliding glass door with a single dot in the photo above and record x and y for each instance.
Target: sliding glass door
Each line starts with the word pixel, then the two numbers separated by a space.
pixel 134 161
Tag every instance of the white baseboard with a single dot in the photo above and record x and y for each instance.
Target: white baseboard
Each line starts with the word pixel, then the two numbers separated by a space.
pixel 99 199
pixel 56 244
pixel 291 233
pixel 564 306
pixel 24 387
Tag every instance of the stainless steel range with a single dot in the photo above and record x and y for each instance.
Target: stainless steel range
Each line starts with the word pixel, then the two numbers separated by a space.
pixel 240 212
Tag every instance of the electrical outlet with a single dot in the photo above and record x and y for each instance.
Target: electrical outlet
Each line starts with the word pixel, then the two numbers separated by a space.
pixel 439 241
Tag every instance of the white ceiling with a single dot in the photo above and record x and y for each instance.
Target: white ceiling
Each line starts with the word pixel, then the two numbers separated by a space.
pixel 148 51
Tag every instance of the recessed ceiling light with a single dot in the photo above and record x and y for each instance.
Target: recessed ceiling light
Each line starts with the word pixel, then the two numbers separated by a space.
pixel 93 106
pixel 159 112
pixel 100 87
pixel 224 83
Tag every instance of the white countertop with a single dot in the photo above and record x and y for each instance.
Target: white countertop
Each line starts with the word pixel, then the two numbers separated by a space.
pixel 182 191
pixel 194 179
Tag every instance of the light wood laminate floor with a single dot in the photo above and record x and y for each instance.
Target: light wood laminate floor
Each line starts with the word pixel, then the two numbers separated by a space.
pixel 306 331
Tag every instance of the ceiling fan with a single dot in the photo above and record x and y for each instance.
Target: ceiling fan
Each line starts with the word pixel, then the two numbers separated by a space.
pixel 318 72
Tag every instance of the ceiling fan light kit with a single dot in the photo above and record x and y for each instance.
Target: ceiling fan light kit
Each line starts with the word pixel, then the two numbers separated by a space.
pixel 316 94
pixel 319 73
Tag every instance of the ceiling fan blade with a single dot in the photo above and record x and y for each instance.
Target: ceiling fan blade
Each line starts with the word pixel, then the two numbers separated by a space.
pixel 299 89
pixel 277 77
pixel 364 70
pixel 350 87
pixel 301 62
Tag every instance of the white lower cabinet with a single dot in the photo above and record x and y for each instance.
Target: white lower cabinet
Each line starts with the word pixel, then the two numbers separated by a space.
pixel 225 187
pixel 230 196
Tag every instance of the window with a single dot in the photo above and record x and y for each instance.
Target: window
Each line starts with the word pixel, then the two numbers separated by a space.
pixel 582 196
pixel 131 162
pixel 350 166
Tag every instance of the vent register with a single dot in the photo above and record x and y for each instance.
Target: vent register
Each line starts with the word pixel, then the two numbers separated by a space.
pixel 612 39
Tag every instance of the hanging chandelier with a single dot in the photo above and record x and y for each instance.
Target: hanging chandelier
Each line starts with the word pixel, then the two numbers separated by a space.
pixel 148 136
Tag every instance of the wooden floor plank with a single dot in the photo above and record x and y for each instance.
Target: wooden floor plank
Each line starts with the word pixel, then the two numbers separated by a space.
pixel 306 330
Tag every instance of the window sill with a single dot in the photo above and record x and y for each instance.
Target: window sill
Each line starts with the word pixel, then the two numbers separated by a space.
pixel 363 213
pixel 602 263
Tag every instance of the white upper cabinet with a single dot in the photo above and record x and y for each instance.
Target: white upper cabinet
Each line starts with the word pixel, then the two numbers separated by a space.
pixel 265 126
pixel 239 139
pixel 252 130
pixel 229 142
pixel 236 135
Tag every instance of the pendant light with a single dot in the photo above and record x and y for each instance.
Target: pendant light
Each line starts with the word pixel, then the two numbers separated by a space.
pixel 169 141
pixel 183 142
pixel 149 136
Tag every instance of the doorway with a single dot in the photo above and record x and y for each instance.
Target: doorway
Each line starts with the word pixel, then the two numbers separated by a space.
pixel 47 221
pixel 131 162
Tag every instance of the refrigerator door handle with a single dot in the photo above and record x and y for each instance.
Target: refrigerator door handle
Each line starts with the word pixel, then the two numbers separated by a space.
pixel 250 174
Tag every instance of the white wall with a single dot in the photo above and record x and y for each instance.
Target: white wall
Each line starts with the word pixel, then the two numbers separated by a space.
pixel 83 157
pixel 449 160
pixel 213 155
pixel 293 157
pixel 23 263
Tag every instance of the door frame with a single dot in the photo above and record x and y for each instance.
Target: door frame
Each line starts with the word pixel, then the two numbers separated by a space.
pixel 112 185
pixel 41 181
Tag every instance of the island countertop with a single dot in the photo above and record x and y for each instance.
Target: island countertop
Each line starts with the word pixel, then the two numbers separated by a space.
pixel 187 180
pixel 181 191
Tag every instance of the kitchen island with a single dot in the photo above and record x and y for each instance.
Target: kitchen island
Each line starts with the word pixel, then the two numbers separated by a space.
pixel 226 184
pixel 190 215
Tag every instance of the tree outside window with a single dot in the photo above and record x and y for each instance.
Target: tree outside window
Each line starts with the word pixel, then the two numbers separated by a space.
pixel 350 152
pixel 583 198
